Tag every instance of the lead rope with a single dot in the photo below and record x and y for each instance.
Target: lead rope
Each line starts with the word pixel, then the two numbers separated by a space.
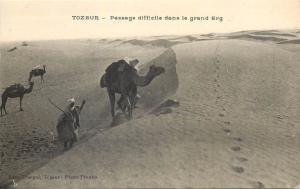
pixel 56 106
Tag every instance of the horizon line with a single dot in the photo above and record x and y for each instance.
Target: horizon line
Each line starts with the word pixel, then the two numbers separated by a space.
pixel 137 36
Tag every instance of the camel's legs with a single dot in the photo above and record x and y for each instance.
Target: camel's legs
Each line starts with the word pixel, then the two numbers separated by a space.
pixel 130 109
pixel 132 101
pixel 128 105
pixel 133 97
pixel 71 144
pixel 4 107
pixel 65 145
pixel 120 104
pixel 112 102
pixel 135 100
pixel 42 78
pixel 1 107
pixel 3 104
pixel 21 98
pixel 126 96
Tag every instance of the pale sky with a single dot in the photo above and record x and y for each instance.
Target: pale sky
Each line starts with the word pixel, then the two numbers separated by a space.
pixel 45 19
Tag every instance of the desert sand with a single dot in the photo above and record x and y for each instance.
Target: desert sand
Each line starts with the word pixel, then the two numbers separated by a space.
pixel 233 122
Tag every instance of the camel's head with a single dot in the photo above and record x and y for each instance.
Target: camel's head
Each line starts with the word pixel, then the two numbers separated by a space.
pixel 157 70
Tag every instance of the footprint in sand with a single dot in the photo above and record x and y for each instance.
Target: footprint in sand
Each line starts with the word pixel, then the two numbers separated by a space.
pixel 242 159
pixel 238 169
pixel 257 184
pixel 236 148
pixel 227 122
pixel 238 139
pixel 227 131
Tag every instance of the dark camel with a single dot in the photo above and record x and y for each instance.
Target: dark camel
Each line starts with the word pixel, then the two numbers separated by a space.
pixel 66 127
pixel 37 72
pixel 125 82
pixel 15 91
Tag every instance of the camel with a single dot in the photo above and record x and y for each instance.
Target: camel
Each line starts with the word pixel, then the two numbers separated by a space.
pixel 125 82
pixel 66 127
pixel 15 91
pixel 37 71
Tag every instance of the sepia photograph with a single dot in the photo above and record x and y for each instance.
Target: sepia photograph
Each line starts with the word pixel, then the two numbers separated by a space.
pixel 149 94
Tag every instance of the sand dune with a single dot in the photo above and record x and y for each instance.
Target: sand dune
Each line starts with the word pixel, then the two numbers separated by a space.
pixel 235 126
pixel 208 35
pixel 103 40
pixel 114 41
pixel 264 35
pixel 24 43
pixel 229 119
pixel 12 49
pixel 73 70
pixel 187 38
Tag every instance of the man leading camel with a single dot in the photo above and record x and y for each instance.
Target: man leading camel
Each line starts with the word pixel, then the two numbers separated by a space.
pixel 68 123
pixel 70 111
pixel 71 108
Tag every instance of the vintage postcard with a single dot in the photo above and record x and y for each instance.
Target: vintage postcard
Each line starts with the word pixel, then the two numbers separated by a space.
pixel 149 94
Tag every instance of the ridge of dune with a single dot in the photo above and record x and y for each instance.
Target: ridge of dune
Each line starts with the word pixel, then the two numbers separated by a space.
pixel 274 33
pixel 157 42
pixel 256 37
pixel 292 41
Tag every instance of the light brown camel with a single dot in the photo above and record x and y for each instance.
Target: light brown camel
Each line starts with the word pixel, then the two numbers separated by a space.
pixel 37 71
pixel 66 127
pixel 15 91
pixel 125 82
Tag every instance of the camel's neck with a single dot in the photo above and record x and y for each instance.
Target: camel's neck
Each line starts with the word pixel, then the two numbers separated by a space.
pixel 28 90
pixel 143 80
